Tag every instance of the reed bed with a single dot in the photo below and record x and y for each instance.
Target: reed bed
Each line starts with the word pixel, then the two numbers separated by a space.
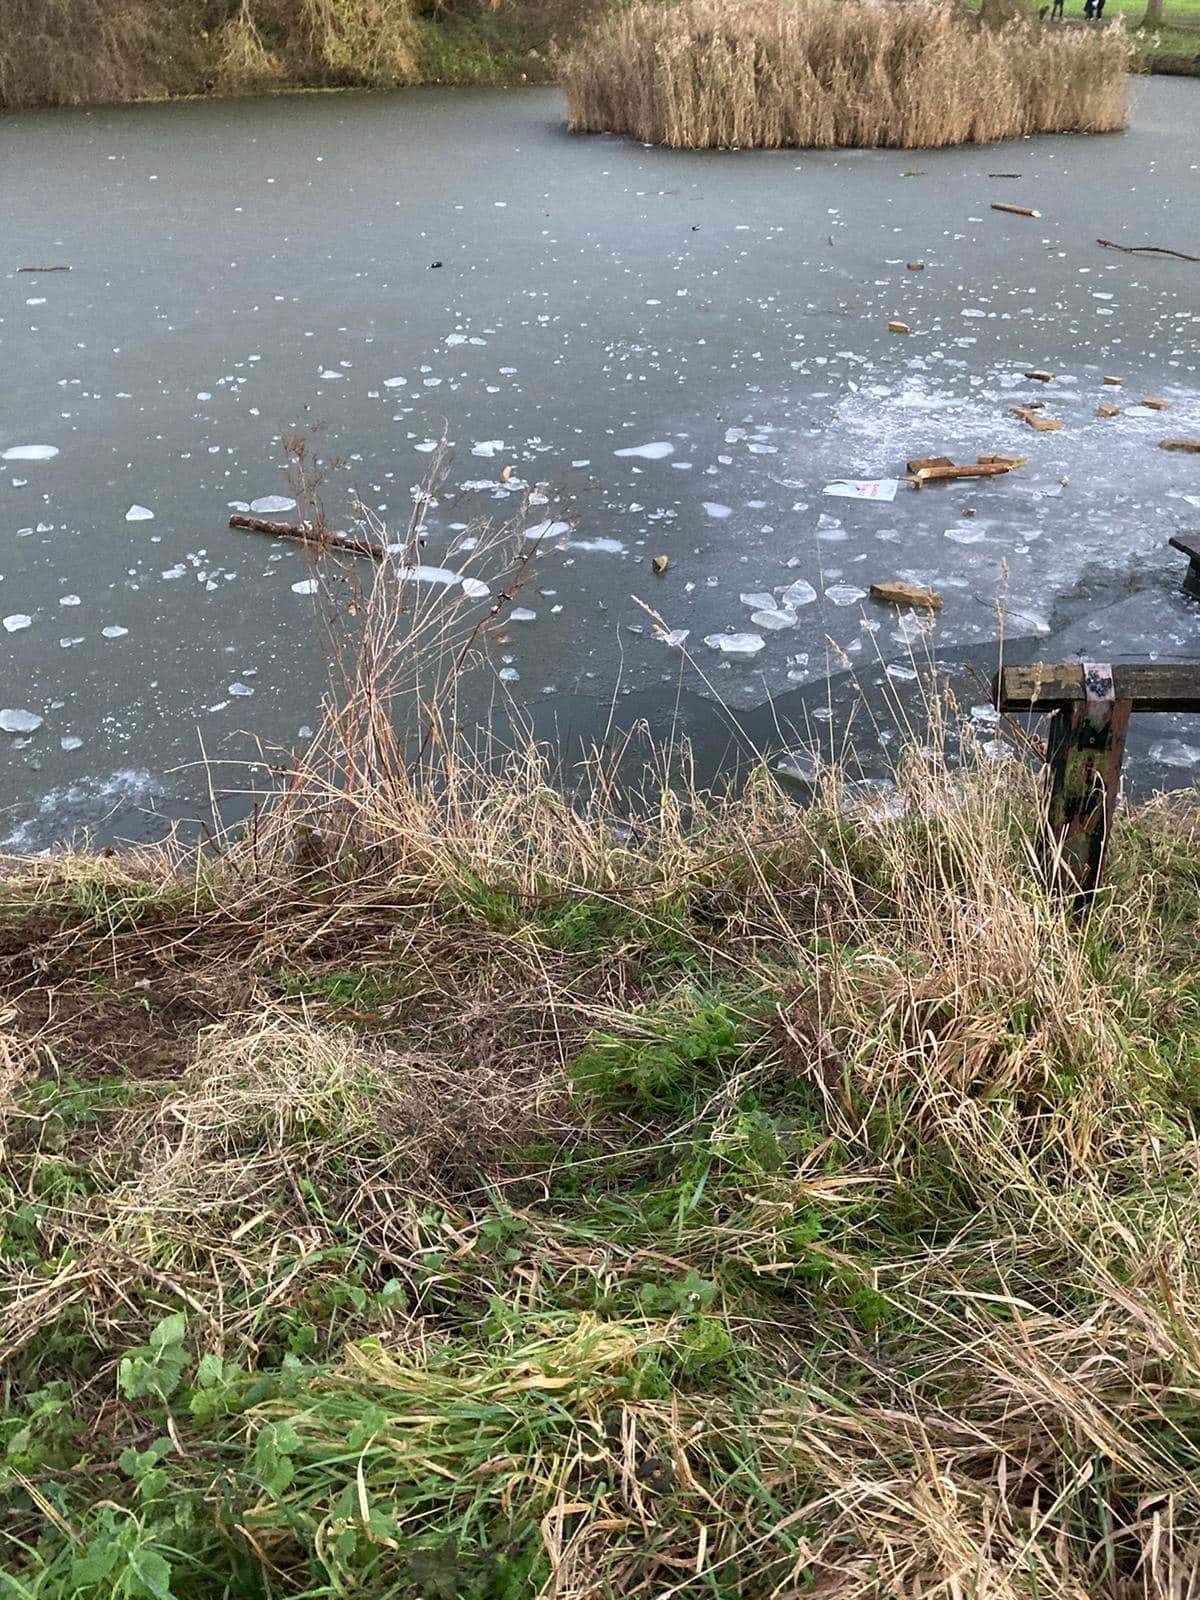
pixel 709 74
pixel 447 1187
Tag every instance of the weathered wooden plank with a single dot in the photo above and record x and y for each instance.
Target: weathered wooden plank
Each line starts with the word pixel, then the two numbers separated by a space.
pixel 937 473
pixel 1147 685
pixel 1084 753
pixel 899 593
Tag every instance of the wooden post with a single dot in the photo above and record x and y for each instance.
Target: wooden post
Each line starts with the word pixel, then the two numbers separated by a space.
pixel 1090 706
pixel 1084 752
pixel 1190 546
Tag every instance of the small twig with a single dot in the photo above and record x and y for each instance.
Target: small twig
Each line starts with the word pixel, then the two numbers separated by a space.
pixel 1146 250
pixel 307 534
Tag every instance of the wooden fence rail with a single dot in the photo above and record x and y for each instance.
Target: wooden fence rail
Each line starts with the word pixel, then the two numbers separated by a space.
pixel 1090 705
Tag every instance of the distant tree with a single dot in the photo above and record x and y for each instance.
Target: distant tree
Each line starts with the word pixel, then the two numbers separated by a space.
pixel 1154 14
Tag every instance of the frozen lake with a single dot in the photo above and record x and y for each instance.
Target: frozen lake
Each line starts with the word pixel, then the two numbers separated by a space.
pixel 682 352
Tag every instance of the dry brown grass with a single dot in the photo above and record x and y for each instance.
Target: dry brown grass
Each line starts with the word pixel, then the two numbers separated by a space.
pixel 81 52
pixel 773 1202
pixel 85 52
pixel 812 75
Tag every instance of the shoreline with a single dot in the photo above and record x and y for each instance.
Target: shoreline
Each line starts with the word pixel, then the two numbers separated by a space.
pixel 466 56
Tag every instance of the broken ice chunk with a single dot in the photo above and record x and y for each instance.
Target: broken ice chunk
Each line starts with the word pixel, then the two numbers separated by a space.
pixel 844 594
pixel 114 632
pixel 306 586
pixel 17 622
pixel 714 509
pixel 772 620
pixel 1174 753
pixel 474 589
pixel 610 547
pixel 139 514
pixel 739 645
pixel 29 452
pixel 547 530
pixel 798 594
pixel 758 602
pixel 272 502
pixel 19 722
pixel 426 575
pixel 648 452
pixel 1025 622
pixel 522 614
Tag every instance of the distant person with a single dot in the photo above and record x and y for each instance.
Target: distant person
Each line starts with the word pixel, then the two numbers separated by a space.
pixel 1089 8
pixel 1056 10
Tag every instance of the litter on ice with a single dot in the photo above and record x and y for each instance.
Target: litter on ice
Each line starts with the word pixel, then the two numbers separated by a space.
pixel 864 488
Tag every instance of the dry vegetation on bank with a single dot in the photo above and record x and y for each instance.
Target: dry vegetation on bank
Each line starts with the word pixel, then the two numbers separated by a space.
pixel 85 52
pixel 444 1191
pixel 810 75
pixel 93 52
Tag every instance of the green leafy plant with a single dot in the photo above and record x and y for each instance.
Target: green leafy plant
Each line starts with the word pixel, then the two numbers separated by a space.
pixel 156 1368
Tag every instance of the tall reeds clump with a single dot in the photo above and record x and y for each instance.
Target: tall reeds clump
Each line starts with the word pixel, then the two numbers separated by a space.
pixel 708 74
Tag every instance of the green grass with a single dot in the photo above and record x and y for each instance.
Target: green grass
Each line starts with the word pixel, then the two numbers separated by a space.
pixel 791 1195
pixel 1168 48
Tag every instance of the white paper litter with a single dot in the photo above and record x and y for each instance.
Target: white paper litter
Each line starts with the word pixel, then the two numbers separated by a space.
pixel 863 488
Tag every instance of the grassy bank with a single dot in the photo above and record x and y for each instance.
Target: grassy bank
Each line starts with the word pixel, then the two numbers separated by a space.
pixel 446 1191
pixel 88 52
pixel 806 74
pixel 83 52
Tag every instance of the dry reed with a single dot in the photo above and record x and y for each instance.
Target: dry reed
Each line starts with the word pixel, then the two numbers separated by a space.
pixel 811 75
